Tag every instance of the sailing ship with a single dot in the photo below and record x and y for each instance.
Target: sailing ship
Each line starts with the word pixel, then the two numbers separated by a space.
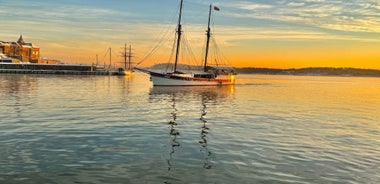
pixel 207 76
pixel 127 70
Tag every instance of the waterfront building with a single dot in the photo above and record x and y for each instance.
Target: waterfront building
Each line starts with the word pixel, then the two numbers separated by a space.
pixel 20 50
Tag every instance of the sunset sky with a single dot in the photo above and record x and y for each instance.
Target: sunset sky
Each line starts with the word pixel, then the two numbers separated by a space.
pixel 249 33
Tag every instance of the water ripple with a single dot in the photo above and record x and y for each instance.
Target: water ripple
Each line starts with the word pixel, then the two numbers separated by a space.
pixel 266 129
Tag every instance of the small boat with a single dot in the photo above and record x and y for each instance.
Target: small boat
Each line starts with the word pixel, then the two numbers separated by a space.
pixel 206 76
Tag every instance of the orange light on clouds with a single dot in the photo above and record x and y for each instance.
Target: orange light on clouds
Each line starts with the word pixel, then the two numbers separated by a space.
pixel 252 33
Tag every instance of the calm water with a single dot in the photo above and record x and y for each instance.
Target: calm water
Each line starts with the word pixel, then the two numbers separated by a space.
pixel 266 129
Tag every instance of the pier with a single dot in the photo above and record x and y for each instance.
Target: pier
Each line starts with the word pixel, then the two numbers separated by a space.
pixel 57 69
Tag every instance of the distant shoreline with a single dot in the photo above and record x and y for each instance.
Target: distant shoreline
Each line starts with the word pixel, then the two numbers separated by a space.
pixel 312 71
pixel 309 71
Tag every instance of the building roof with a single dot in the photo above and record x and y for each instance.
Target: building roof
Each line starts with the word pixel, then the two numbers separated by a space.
pixel 19 43
pixel 21 40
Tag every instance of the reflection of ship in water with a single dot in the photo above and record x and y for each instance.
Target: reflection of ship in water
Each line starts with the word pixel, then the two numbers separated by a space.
pixel 211 93
pixel 207 154
pixel 196 96
pixel 125 81
pixel 174 132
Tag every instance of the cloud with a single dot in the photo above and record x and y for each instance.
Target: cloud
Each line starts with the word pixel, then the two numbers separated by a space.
pixel 334 15
pixel 232 35
pixel 54 12
pixel 296 4
pixel 90 27
pixel 314 1
pixel 252 6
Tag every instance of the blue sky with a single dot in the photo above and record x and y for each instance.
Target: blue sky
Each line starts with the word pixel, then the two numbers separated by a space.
pixel 78 25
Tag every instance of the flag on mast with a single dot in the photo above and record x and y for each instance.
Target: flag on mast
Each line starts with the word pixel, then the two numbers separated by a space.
pixel 216 8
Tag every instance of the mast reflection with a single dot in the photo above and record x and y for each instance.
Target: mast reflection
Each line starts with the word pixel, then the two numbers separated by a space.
pixel 207 154
pixel 126 81
pixel 186 100
pixel 174 132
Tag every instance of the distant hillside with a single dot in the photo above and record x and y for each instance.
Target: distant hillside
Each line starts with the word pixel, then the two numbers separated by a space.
pixel 170 66
pixel 312 71
pixel 322 71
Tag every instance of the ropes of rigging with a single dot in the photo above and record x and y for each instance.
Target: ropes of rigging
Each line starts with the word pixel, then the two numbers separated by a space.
pixel 155 48
pixel 220 58
pixel 216 57
pixel 187 47
pixel 161 40
pixel 171 55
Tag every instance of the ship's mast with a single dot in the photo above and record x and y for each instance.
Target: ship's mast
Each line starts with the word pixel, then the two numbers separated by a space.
pixel 179 33
pixel 125 56
pixel 208 33
pixel 129 57
pixel 110 58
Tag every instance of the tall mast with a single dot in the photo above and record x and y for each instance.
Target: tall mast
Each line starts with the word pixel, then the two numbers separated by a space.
pixel 129 57
pixel 110 58
pixel 125 56
pixel 179 33
pixel 208 33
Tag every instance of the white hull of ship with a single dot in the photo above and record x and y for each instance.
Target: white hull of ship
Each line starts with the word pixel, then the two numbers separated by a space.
pixel 164 81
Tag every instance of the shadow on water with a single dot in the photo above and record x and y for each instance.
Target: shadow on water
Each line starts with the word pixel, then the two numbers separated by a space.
pixel 184 100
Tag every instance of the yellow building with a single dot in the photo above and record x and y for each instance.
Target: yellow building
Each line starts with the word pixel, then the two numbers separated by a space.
pixel 25 52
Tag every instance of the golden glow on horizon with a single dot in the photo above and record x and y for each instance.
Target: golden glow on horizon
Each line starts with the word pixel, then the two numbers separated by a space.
pixel 271 34
pixel 248 56
pixel 308 56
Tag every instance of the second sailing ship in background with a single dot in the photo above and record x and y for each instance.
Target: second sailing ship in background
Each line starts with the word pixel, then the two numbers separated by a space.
pixel 207 76
pixel 127 70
